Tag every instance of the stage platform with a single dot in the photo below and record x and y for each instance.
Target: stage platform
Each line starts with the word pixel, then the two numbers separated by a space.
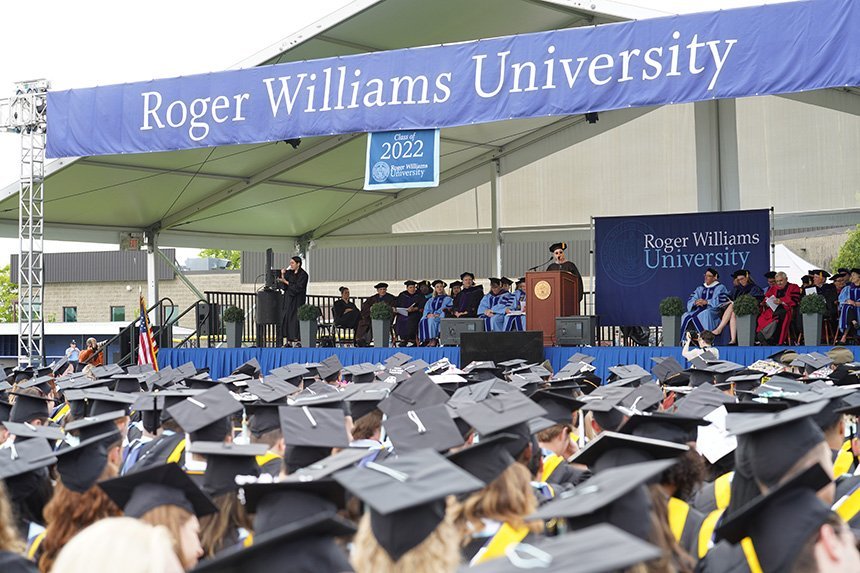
pixel 221 361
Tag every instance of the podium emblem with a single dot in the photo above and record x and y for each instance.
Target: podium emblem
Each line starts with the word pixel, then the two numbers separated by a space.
pixel 542 290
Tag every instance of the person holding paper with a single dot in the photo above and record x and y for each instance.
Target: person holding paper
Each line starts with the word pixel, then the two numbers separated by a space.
pixel 434 309
pixel 705 305
pixel 778 310
pixel 849 306
pixel 409 306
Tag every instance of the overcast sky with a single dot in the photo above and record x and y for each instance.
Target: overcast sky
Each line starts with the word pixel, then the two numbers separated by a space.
pixel 98 42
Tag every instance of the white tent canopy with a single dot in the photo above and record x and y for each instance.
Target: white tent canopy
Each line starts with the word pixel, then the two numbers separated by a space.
pixel 787 261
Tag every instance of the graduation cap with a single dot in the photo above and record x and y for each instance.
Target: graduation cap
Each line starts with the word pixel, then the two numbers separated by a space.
pixel 764 520
pixel 98 425
pixel 665 367
pixel 380 285
pixel 580 357
pixel 416 366
pixel 559 408
pixel 364 373
pixel 236 380
pixel 479 391
pixel 662 426
pixel 818 272
pixel 314 427
pixel 226 461
pixel 271 389
pixel 784 356
pixel 812 361
pixel 205 413
pixel 5 411
pixel 745 380
pixel 129 383
pixel 632 372
pixel 290 500
pixel 25 456
pixel 755 406
pixel 486 460
pixel 320 394
pixel 107 370
pixel 430 427
pixel 406 496
pixel 612 449
pixel 262 417
pixel 512 363
pixel 59 364
pixel 499 412
pixel 770 275
pixel 644 398
pixel 326 467
pixel 480 370
pixel 166 484
pixel 28 406
pixel 102 401
pixel 584 552
pixel 397 359
pixel 366 398
pixel 702 401
pixel 417 392
pixel 81 466
pixel 27 431
pixel 330 367
pixel 393 374
pixel 251 368
pixel 41 383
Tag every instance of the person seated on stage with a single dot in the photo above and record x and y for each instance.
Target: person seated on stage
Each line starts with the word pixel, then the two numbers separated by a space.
pixel 831 296
pixel 770 276
pixel 849 307
pixel 805 282
pixel 467 300
pixel 425 289
pixel 428 327
pixel 516 302
pixel 773 324
pixel 456 287
pixel 743 285
pixel 412 302
pixel 705 341
pixel 492 309
pixel 705 305
pixel 363 332
pixel 560 263
pixel 841 279
pixel 346 314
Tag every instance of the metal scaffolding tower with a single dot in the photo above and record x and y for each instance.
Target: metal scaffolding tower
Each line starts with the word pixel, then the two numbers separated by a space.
pixel 26 114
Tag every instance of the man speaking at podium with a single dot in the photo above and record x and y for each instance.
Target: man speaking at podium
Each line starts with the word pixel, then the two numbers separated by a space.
pixel 560 263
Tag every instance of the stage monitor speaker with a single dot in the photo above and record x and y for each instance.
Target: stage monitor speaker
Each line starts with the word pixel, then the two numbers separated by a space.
pixel 450 329
pixel 268 307
pixel 575 330
pixel 501 346
pixel 201 311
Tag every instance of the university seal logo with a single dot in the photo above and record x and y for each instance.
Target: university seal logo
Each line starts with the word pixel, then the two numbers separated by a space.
pixel 380 171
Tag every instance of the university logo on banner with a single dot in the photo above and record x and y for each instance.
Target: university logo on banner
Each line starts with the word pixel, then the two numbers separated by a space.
pixel 642 260
pixel 402 159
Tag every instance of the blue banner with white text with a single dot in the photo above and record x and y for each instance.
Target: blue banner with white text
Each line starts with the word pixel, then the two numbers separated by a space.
pixel 640 260
pixel 771 49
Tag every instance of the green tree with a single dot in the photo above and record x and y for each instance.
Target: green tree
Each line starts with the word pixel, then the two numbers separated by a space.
pixel 8 293
pixel 849 254
pixel 235 257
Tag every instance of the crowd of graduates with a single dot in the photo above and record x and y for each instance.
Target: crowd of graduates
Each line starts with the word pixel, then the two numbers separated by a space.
pixel 413 467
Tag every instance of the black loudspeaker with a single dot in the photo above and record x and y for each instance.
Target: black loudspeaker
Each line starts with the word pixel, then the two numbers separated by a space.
pixel 501 346
pixel 575 330
pixel 268 307
pixel 201 311
pixel 451 328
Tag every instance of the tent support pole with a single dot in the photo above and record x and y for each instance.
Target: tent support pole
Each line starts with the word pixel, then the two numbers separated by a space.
pixel 152 274
pixel 495 192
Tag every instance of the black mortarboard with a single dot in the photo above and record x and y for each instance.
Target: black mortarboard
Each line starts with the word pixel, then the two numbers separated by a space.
pixel 166 484
pixel 410 283
pixel 42 383
pixel 380 285
pixel 59 364
pixel 820 272
pixel 456 284
pixel 226 461
pixel 646 397
pixel 393 374
pixel 271 389
pixel 362 373
pixel 209 408
pixel 251 368
pixel 770 275
pixel 495 281
pixel 701 401
pixel 406 496
pixel 584 552
pixel 320 394
pixel 487 459
pixel 612 449
pixel 98 425
pixel 327 466
pixel 102 401
pixel 366 398
pixel 661 426
pixel 430 427
pixel 129 383
pixel 329 367
pixel 415 365
pixel 665 367
pixel 25 456
pixel 764 520
pixel 740 273
pixel 314 427
pixel 506 281
pixel 106 371
pixel 26 431
pixel 263 417
pixel 628 371
pixel 559 408
pixel 28 407
pixel 80 466
pixel 499 412
pixel 5 410
pixel 417 392
pixel 467 274
pixel 479 391
pixel 555 246
pixel 291 500
pixel 812 361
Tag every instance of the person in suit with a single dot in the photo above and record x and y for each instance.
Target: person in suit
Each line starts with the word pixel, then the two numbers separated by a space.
pixel 294 282
pixel 363 332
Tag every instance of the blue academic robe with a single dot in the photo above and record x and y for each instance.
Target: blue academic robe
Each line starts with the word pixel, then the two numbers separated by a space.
pixel 705 317
pixel 428 327
pixel 493 302
pixel 848 313
pixel 516 323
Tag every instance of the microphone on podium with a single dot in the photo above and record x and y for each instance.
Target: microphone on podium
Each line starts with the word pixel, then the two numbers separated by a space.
pixel 536 267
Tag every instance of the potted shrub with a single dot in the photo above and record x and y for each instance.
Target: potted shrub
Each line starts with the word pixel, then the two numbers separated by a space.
pixel 746 312
pixel 812 307
pixel 671 311
pixel 234 323
pixel 381 315
pixel 308 315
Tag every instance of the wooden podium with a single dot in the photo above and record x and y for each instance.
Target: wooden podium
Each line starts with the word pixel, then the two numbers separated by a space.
pixel 550 294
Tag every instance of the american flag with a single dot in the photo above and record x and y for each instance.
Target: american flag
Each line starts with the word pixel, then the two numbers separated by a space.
pixel 147 351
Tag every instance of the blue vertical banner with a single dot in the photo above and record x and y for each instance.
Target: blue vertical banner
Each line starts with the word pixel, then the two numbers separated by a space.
pixel 401 159
pixel 640 260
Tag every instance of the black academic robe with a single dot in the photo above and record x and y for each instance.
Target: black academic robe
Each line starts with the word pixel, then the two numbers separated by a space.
pixel 571 268
pixel 407 326
pixel 343 318
pixel 158 451
pixel 467 300
pixel 294 297
pixel 831 297
pixel 14 563
pixel 362 331
pixel 751 289
pixel 724 558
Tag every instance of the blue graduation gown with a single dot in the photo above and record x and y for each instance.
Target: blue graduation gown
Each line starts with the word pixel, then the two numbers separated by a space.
pixel 848 313
pixel 428 327
pixel 705 317
pixel 493 302
pixel 516 323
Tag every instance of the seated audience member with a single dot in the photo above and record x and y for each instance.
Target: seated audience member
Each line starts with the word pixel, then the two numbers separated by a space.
pixel 425 289
pixel 840 279
pixel 346 314
pixel 434 309
pixel 849 306
pixel 770 276
pixel 516 302
pixel 467 300
pixel 831 296
pixel 406 326
pixel 705 304
pixel 773 323
pixel 491 309
pixel 705 341
pixel 743 285
pixel 363 332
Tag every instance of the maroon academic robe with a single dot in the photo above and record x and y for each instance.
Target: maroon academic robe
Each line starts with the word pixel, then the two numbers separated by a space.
pixel 790 297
